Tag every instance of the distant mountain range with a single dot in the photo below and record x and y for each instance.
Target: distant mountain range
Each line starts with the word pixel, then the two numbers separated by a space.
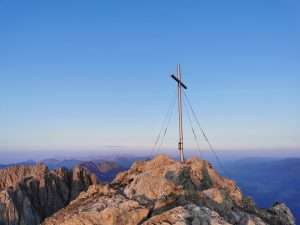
pixel 55 163
pixel 104 171
pixel 24 163
pixel 121 161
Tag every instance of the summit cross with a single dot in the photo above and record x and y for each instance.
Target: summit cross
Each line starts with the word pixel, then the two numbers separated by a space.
pixel 180 85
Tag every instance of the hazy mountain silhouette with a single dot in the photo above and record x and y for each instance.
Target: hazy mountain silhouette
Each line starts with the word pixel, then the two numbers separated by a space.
pixel 104 171
pixel 67 163
pixel 24 163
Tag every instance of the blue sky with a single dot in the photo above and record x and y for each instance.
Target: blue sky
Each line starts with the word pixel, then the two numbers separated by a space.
pixel 95 74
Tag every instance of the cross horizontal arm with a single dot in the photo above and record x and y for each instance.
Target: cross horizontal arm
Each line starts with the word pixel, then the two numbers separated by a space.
pixel 179 82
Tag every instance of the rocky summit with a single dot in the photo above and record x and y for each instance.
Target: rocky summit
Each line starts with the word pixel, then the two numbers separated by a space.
pixel 163 191
pixel 29 194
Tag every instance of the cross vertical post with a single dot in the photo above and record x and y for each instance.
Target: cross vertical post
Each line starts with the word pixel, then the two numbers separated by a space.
pixel 180 85
pixel 179 91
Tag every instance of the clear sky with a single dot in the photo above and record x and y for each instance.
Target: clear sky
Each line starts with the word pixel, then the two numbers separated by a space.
pixel 95 74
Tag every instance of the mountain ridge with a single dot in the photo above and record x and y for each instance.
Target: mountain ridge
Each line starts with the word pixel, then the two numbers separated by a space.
pixel 164 191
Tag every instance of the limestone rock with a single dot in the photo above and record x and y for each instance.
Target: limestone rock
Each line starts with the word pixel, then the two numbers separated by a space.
pixel 187 215
pixel 164 191
pixel 12 175
pixel 278 214
pixel 100 205
pixel 31 193
pixel 161 177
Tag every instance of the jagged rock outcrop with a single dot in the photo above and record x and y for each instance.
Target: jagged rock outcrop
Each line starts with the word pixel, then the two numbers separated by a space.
pixel 12 175
pixel 162 192
pixel 28 194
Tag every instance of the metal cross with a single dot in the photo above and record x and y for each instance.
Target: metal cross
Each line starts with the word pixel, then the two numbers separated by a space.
pixel 180 85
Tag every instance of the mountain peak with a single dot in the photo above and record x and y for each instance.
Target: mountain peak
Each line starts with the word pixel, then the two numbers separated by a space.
pixel 163 190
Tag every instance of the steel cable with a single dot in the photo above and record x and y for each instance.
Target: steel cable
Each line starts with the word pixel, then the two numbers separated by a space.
pixel 164 127
pixel 205 136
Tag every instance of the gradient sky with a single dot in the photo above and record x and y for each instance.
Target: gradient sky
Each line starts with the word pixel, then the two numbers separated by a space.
pixel 95 74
